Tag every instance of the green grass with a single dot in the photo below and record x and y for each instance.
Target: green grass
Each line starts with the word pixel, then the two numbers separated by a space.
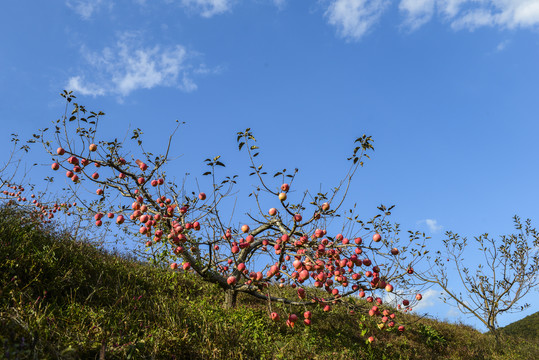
pixel 524 328
pixel 64 299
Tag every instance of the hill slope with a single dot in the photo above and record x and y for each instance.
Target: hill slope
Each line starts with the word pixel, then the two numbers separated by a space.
pixel 64 299
pixel 524 328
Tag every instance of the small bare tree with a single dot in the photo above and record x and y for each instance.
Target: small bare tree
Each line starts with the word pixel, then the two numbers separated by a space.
pixel 12 177
pixel 9 169
pixel 497 285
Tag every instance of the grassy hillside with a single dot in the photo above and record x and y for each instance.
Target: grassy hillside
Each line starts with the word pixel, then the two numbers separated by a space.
pixel 524 328
pixel 63 299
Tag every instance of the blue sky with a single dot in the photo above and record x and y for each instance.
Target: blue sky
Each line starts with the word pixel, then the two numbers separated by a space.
pixel 447 88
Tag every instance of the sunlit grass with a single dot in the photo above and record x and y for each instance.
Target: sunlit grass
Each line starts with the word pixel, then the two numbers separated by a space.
pixel 63 298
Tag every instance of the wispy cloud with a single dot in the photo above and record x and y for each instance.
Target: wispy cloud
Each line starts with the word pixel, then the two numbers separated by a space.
pixel 280 4
pixel 431 224
pixel 473 19
pixel 450 8
pixel 501 46
pixel 204 8
pixel 504 13
pixel 430 298
pixel 453 312
pixel 128 66
pixel 354 18
pixel 79 85
pixel 207 8
pixel 472 14
pixel 416 12
pixel 86 8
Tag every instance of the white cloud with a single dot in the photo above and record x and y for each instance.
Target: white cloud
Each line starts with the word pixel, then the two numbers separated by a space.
pixel 205 8
pixel 208 8
pixel 417 12
pixel 450 8
pixel 473 19
pixel 454 312
pixel 77 84
pixel 85 8
pixel 430 298
pixel 354 18
pixel 280 4
pixel 526 14
pixel 128 66
pixel 472 14
pixel 431 224
pixel 391 298
pixel 501 46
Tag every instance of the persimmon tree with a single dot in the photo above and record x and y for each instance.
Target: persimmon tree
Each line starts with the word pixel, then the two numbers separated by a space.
pixel 10 190
pixel 498 282
pixel 290 241
pixel 14 190
pixel 39 207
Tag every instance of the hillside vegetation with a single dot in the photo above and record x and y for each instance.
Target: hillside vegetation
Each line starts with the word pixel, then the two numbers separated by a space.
pixel 62 298
pixel 524 328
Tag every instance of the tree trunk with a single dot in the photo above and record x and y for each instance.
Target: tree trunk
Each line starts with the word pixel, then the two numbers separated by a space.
pixel 496 334
pixel 230 298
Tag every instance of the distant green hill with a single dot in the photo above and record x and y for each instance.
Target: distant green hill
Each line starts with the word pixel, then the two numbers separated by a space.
pixel 63 299
pixel 524 328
